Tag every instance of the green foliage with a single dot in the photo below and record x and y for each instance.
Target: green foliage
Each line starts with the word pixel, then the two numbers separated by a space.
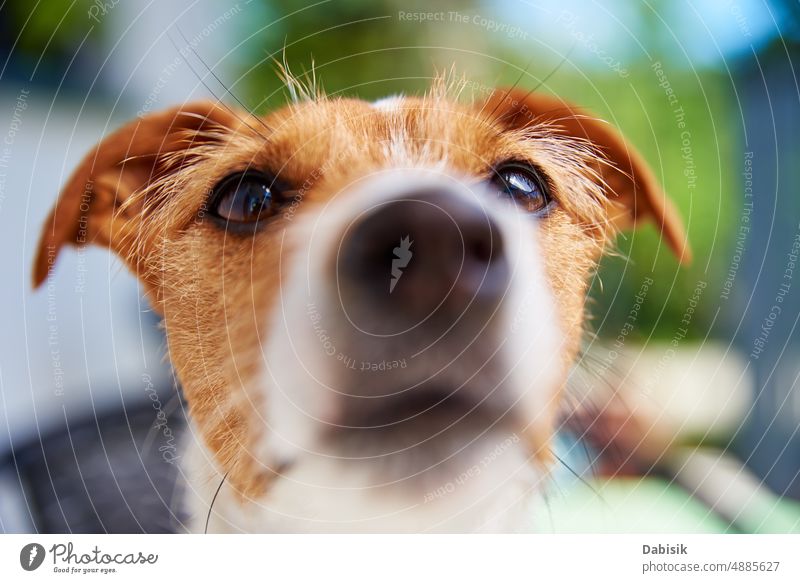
pixel 49 29
pixel 357 48
pixel 709 204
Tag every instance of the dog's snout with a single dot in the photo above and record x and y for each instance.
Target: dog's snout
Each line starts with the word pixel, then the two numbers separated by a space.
pixel 425 250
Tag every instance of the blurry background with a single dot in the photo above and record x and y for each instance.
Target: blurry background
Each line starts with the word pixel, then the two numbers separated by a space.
pixel 706 354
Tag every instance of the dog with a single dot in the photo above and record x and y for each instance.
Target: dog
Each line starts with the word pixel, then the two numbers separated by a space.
pixel 372 307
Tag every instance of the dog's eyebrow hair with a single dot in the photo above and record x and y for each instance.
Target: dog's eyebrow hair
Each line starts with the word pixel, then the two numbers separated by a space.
pixel 227 90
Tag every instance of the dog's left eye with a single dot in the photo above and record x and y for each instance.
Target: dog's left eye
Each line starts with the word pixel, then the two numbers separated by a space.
pixel 245 198
pixel 523 184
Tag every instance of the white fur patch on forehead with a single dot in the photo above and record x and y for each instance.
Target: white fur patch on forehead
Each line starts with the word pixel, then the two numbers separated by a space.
pixel 398 149
pixel 395 149
pixel 390 103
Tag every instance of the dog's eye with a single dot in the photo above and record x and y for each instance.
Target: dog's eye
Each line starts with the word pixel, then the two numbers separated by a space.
pixel 245 198
pixel 523 184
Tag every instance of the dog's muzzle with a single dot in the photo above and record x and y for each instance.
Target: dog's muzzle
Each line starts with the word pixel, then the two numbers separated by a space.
pixel 416 315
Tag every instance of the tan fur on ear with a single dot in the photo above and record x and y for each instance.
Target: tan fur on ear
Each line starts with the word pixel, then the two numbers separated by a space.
pixel 91 209
pixel 626 174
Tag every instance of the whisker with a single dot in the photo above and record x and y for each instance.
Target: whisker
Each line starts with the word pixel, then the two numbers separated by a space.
pixel 580 478
pixel 555 70
pixel 510 89
pixel 210 70
pixel 168 409
pixel 218 98
pixel 213 500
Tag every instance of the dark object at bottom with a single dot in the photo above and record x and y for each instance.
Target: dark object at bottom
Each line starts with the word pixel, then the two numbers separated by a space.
pixel 108 474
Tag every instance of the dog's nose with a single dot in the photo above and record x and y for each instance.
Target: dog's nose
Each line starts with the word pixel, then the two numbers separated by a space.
pixel 423 251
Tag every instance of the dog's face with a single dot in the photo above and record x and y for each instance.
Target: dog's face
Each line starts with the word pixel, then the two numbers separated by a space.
pixel 372 308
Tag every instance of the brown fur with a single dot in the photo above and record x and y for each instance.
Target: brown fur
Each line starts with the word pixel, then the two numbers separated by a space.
pixel 141 192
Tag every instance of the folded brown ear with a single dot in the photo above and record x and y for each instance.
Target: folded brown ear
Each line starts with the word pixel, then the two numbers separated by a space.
pixel 631 183
pixel 90 207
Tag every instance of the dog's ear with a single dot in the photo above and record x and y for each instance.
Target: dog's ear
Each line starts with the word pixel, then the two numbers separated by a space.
pixel 631 183
pixel 94 206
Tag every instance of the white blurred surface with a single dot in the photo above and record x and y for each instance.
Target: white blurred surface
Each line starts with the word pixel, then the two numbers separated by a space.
pixel 84 342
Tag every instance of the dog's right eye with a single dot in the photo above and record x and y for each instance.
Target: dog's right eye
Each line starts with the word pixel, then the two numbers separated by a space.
pixel 246 197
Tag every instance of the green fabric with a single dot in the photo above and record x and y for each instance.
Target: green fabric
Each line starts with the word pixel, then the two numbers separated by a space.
pixel 653 505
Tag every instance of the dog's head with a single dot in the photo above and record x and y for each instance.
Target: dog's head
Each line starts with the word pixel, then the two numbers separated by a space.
pixel 371 307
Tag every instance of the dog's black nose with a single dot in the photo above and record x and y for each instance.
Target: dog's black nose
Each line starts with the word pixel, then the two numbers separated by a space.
pixel 422 252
